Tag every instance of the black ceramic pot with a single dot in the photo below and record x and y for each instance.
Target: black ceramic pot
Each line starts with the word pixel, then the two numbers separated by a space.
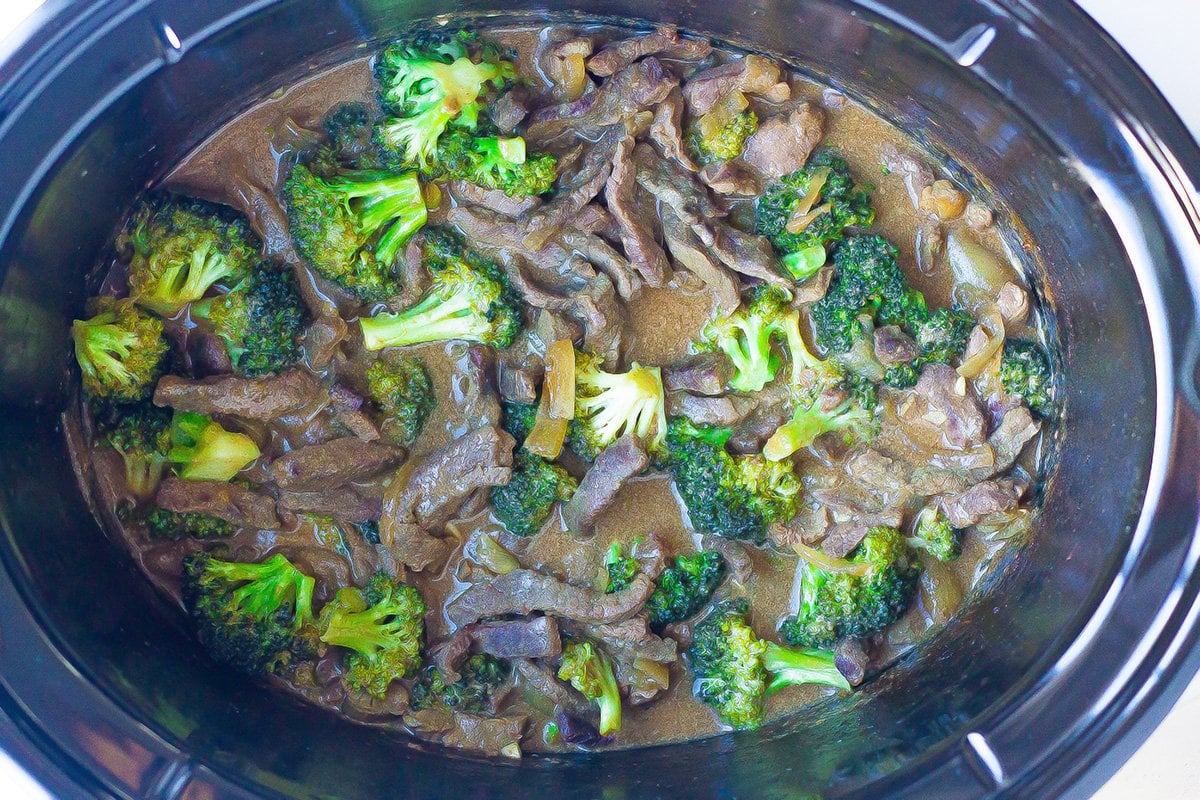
pixel 1041 687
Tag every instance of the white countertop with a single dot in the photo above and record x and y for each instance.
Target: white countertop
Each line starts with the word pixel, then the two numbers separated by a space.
pixel 1160 35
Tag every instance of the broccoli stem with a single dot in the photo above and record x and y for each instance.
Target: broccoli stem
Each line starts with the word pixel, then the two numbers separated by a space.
pixel 795 667
pixel 433 319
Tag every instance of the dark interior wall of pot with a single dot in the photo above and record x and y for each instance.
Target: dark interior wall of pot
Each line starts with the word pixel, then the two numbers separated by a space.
pixel 116 630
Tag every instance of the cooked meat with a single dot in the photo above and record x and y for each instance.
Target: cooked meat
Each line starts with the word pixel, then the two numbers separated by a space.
pixel 782 145
pixel 347 409
pixel 345 503
pixel 813 288
pixel 550 326
pixel 704 374
pixel 227 501
pixel 641 245
pixel 264 398
pixel 894 346
pixel 851 661
pixel 689 253
pixel 510 109
pixel 600 254
pixel 317 467
pixel 981 501
pixel 666 130
pixel 449 655
pixel 750 74
pixel 629 642
pixel 544 684
pixel 531 638
pixel 1013 303
pixel 951 408
pixel 664 41
pixel 729 177
pixel 519 383
pixel 463 730
pixel 808 527
pixel 492 199
pixel 525 591
pixel 208 355
pixel 843 537
pixel 752 432
pixel 636 87
pixel 724 411
pixel 620 461
pixel 474 387
pixel 543 222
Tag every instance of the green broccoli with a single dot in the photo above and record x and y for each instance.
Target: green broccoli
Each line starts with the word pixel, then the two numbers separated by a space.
pixel 203 450
pixel 810 420
pixel 619 569
pixel 177 249
pixel 260 321
pixel 120 350
pixel 1025 372
pixel 517 418
pixel 818 202
pixel 425 83
pixel 734 496
pixel 482 677
pixel 591 673
pixel 609 405
pixel 401 388
pixel 142 436
pixel 163 524
pixel 495 162
pixel 727 142
pixel 734 669
pixel 746 336
pixel 248 615
pixel 867 280
pixel 684 587
pixel 934 534
pixel 383 625
pixel 524 503
pixel 351 224
pixel 942 338
pixel 852 598
pixel 349 140
pixel 470 300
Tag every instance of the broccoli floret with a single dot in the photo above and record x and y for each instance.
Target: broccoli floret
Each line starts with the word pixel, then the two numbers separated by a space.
pixel 1025 372
pixel 470 299
pixel 824 193
pixel 248 615
pixel 349 140
pixel 798 667
pixel 383 625
pixel 524 503
pixel 684 587
pixel 867 280
pixel 746 336
pixel 943 336
pixel 142 436
pixel 727 142
pixel 351 225
pixel 812 419
pixel 591 673
pixel 517 418
pixel 495 162
pixel 619 569
pixel 482 676
pixel 852 598
pixel 400 386
pixel 734 496
pixel 163 524
pixel 260 321
pixel 727 659
pixel 178 249
pixel 120 350
pixel 203 450
pixel 609 405
pixel 935 535
pixel 425 83
pixel 733 666
pixel 902 376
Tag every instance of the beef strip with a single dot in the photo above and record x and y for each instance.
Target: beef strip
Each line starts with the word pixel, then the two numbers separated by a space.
pixel 843 537
pixel 751 434
pixel 981 501
pixel 524 591
pixel 517 383
pixel 544 222
pixel 724 411
pixel 894 346
pixel 620 192
pixel 666 130
pixel 263 398
pixel 639 86
pixel 703 374
pixel 600 254
pixel 1013 304
pixel 782 146
pixel 347 409
pixel 450 654
pixel 691 254
pixel 542 681
pixel 207 354
pixel 510 109
pixel 731 178
pixel 751 74
pixel 524 638
pixel 434 490
pixel 346 503
pixel 474 388
pixel 619 462
pixel 492 199
pixel 851 660
pixel 951 408
pixel 463 730
pixel 228 501
pixel 664 41
pixel 809 527
pixel 317 467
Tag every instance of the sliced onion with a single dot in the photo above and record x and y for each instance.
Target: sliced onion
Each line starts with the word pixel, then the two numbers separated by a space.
pixel 828 563
pixel 993 325
pixel 572 77
pixel 560 379
pixel 798 224
pixel 977 266
pixel 811 195
pixel 493 556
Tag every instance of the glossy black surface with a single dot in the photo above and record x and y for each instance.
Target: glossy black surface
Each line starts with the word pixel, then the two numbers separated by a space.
pixel 1041 687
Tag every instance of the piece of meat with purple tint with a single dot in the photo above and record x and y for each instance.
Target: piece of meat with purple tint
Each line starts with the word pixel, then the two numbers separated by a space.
pixel 544 222
pixel 951 407
pixel 705 374
pixel 492 199
pixel 616 464
pixel 665 41
pixel 916 173
pixel 518 383
pixel 523 638
pixel 525 591
pixel 731 178
pixel 317 467
pixel 263 398
pixel 228 501
pixel 666 130
pixel 510 109
pixel 462 730
pixel 782 146
pixel 639 86
pixel 347 409
pixel 641 246
pixel 982 501
pixel 843 537
pixel 692 255
pixel 346 503
pixel 751 74
pixel 724 411
pixel 894 346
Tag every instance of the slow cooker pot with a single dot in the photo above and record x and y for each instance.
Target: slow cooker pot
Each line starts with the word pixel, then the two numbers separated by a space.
pixel 1040 688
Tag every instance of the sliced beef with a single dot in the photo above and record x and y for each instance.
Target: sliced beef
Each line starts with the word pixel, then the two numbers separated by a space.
pixel 782 145
pixel 730 178
pixel 704 374
pixel 1015 430
pixel 450 654
pixel 541 681
pixel 250 398
pixel 851 660
pixel 346 503
pixel 625 275
pixel 751 74
pixel 1013 303
pixel 228 501
pixel 492 736
pixel 751 434
pixel 524 591
pixel 317 467
pixel 348 409
pixel 981 501
pixel 692 255
pixel 510 109
pixel 666 130
pixel 639 86
pixel 808 527
pixel 517 383
pixel 894 346
pixel 474 388
pixel 813 288
pixel 641 245
pixel 843 537
pixel 542 223
pixel 950 406
pixel 724 411
pixel 619 462
pixel 664 41
pixel 550 326
pixel 492 199
pixel 524 638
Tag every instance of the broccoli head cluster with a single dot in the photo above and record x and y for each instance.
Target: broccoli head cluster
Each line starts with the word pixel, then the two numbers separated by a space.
pixel 525 503
pixel 1025 372
pixel 684 587
pixel 260 320
pixel 401 388
pixel 727 141
pixel 119 349
pixel 494 162
pixel 163 524
pixel 482 676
